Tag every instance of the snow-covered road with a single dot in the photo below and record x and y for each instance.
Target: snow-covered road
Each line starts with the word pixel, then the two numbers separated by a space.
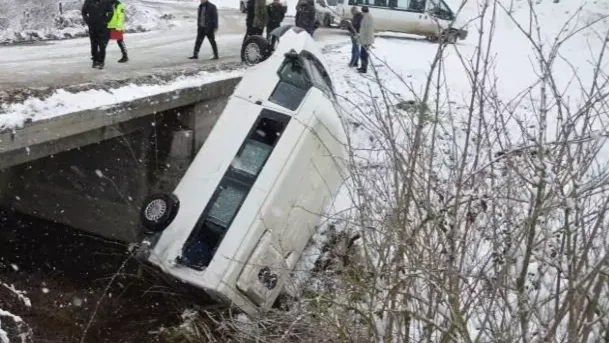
pixel 63 63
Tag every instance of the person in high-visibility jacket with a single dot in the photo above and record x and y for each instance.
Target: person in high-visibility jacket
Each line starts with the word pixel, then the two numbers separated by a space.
pixel 116 26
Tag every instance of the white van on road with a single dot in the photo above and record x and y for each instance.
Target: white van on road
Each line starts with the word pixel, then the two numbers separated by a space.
pixel 241 216
pixel 432 19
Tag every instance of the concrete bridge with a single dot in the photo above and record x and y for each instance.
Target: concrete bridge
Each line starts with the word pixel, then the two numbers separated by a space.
pixel 92 169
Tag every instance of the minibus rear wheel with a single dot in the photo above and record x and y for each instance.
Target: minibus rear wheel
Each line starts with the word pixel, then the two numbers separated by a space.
pixel 158 211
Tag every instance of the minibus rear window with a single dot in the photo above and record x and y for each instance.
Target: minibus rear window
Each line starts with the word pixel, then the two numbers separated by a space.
pixel 233 189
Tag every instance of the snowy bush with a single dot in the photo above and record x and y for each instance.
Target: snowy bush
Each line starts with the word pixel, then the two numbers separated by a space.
pixel 482 217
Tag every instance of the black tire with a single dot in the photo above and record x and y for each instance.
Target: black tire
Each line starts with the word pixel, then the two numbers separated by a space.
pixel 344 24
pixel 158 211
pixel 327 21
pixel 449 36
pixel 255 49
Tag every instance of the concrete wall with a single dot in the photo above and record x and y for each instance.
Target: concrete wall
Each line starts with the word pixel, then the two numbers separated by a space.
pixel 92 170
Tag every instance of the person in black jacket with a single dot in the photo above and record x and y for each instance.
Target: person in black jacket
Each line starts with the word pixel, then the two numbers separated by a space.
pixel 254 26
pixel 356 23
pixel 305 16
pixel 276 14
pixel 97 14
pixel 207 24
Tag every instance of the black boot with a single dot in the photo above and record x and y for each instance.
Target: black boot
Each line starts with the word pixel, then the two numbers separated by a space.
pixel 193 57
pixel 361 70
pixel 215 57
pixel 125 59
pixel 100 66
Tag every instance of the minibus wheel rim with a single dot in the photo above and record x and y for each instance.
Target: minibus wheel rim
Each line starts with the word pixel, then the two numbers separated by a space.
pixel 252 52
pixel 155 210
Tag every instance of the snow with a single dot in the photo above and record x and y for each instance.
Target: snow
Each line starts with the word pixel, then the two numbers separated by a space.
pixel 26 20
pixel 63 102
pixel 20 294
pixel 3 336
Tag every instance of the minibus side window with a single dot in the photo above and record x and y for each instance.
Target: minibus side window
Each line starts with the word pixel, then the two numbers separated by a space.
pixel 380 3
pixel 403 4
pixel 293 85
pixel 417 6
pixel 440 10
pixel 233 189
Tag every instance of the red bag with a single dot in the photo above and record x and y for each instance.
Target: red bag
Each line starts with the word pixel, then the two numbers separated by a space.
pixel 116 35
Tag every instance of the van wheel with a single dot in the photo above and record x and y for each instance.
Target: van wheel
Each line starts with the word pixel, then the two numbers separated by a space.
pixel 450 36
pixel 327 21
pixel 158 211
pixel 255 49
pixel 344 24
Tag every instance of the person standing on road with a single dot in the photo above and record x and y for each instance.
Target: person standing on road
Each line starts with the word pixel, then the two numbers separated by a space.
pixel 305 16
pixel 256 18
pixel 116 26
pixel 97 14
pixel 354 28
pixel 366 38
pixel 276 14
pixel 207 23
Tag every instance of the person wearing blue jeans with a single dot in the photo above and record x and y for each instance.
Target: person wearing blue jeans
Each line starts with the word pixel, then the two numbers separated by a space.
pixel 354 27
pixel 366 38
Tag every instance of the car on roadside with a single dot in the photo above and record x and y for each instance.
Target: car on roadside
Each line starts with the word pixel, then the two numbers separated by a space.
pixel 432 19
pixel 324 13
pixel 255 193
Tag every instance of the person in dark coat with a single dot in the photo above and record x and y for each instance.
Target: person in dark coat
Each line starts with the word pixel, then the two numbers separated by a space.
pixel 255 20
pixel 276 14
pixel 207 25
pixel 305 16
pixel 356 22
pixel 97 14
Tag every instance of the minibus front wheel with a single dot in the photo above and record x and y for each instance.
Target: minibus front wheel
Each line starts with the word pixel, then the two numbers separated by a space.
pixel 158 211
